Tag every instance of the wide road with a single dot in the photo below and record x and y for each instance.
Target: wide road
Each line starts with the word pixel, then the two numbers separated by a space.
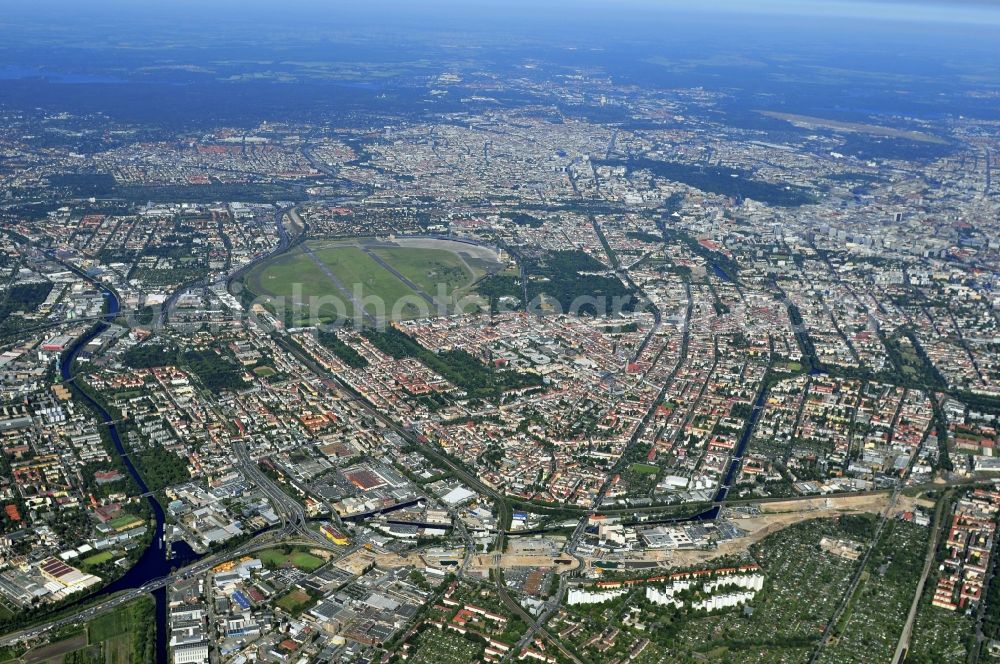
pixel 504 512
pixel 265 540
pixel 296 526
pixel 293 516
pixel 283 243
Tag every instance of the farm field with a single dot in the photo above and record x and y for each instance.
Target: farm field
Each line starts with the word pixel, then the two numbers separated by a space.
pixel 55 652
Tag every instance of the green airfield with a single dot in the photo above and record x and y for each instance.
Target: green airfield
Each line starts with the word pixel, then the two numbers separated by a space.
pixel 429 268
pixel 353 267
pixel 331 279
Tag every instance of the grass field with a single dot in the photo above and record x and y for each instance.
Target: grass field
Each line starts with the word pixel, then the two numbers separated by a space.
pixel 118 649
pixel 354 268
pixel 98 558
pixel 297 558
pixel 125 521
pixel 338 271
pixel 429 268
pixel 295 601
pixel 264 372
pixel 291 274
pixel 109 625
pixel 11 653
pixel 123 636
pixel 644 469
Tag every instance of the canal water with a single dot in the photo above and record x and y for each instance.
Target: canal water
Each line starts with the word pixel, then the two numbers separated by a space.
pixel 154 562
pixel 736 460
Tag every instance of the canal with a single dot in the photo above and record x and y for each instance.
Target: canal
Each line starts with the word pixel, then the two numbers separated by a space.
pixel 736 460
pixel 156 561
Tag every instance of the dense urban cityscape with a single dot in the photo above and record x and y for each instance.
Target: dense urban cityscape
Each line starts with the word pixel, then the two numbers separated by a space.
pixel 511 360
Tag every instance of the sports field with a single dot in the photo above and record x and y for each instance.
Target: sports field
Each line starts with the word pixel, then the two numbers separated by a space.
pixel 323 280
pixel 98 558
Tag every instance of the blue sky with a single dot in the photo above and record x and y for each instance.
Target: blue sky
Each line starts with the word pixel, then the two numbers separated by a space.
pixel 907 10
pixel 629 17
pixel 956 11
pixel 929 10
